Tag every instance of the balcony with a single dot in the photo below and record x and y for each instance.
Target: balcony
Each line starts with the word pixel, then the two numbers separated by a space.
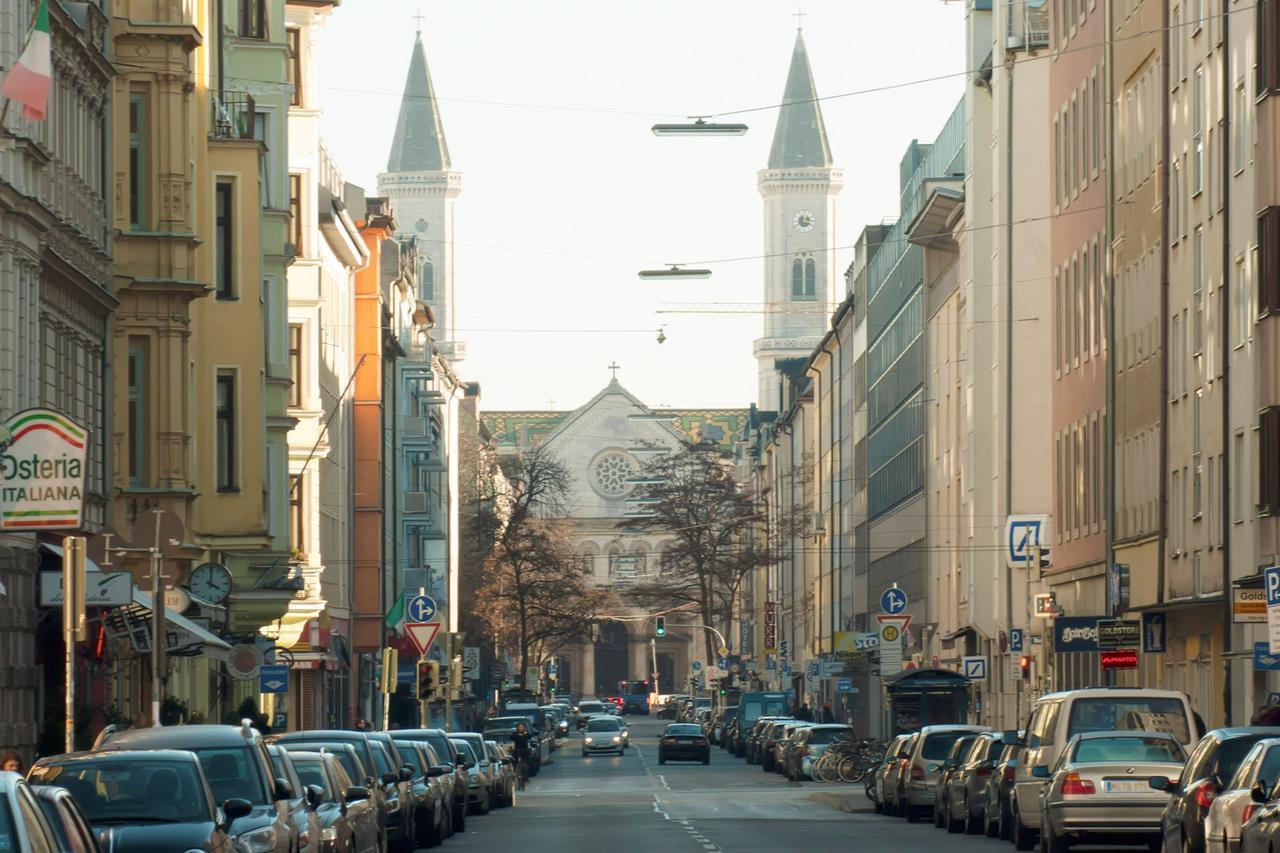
pixel 233 115
pixel 1028 25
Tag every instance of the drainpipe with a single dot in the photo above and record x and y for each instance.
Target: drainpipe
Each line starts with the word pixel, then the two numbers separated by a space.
pixel 1008 344
pixel 1109 230
pixel 1163 448
pixel 1224 310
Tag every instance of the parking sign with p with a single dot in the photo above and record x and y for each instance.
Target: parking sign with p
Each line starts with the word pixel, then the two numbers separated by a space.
pixel 1271 583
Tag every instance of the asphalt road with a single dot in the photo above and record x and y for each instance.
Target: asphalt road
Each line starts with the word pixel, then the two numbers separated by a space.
pixel 620 805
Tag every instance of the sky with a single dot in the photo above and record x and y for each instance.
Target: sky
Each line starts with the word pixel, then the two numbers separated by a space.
pixel 567 195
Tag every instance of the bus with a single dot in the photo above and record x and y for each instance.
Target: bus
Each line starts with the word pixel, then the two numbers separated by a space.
pixel 635 697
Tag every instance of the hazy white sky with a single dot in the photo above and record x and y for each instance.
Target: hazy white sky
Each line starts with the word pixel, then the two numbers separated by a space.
pixel 566 194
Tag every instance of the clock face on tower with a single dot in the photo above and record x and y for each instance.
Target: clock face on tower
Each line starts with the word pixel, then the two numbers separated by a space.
pixel 803 220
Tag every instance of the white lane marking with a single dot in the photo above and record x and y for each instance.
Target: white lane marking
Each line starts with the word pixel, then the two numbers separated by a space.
pixel 657 807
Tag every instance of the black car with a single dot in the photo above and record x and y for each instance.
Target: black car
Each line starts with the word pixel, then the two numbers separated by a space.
pixel 684 742
pixel 347 818
pixel 304 815
pixel 439 742
pixel 431 812
pixel 235 761
pixel 1211 764
pixel 145 801
pixel 396 775
pixel 69 824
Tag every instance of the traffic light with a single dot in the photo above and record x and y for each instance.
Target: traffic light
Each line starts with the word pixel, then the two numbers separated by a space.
pixel 428 679
pixel 1024 666
pixel 660 626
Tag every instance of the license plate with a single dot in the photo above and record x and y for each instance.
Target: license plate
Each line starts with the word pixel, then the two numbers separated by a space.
pixel 1124 786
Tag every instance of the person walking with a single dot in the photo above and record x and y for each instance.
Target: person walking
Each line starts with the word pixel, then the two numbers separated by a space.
pixel 827 716
pixel 805 713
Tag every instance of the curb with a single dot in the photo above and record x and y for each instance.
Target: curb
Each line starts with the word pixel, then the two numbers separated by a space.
pixel 850 803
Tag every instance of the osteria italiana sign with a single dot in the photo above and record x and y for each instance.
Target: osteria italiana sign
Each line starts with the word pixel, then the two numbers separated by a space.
pixel 42 462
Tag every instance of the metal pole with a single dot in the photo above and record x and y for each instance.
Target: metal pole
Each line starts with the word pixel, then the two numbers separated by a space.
pixel 157 622
pixel 448 690
pixel 73 551
pixel 653 654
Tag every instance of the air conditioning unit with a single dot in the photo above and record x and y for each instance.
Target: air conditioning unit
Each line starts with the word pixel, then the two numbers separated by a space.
pixel 415 503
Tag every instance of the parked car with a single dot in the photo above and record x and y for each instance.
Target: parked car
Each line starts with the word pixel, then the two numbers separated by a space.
pixel 431 799
pixel 998 816
pixel 504 772
pixel 1246 793
pixel 149 801
pixel 1213 762
pixel 1100 790
pixel 786 743
pixel 766 743
pixel 885 787
pixel 501 729
pixel 23 826
pixel 235 762
pixel 684 742
pixel 603 734
pixel 1058 717
pixel 942 790
pixel 1260 829
pixel 68 824
pixel 347 819
pixel 721 723
pixel 438 740
pixel 918 778
pixel 304 816
pixel 754 751
pixel 479 789
pixel 751 707
pixel 967 786
pixel 809 744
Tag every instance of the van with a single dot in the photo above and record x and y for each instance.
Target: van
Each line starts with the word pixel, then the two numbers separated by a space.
pixel 751 707
pixel 919 777
pixel 1057 717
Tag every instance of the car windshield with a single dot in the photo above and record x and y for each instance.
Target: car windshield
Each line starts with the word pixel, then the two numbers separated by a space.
pixel 381 759
pixel 590 707
pixel 441 745
pixel 134 790
pixel 311 772
pixel 409 756
pixel 463 748
pixel 1103 750
pixel 8 832
pixel 683 729
pixel 1129 713
pixel 820 736
pixel 702 703
pixel 232 773
pixel 606 724
pixel 498 724
pixel 937 746
pixel 346 757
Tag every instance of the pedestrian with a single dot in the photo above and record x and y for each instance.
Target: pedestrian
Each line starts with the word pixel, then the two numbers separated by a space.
pixel 828 716
pixel 1267 715
pixel 362 725
pixel 805 713
pixel 11 762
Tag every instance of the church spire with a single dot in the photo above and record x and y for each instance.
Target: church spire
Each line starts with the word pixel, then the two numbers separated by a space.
pixel 800 139
pixel 419 144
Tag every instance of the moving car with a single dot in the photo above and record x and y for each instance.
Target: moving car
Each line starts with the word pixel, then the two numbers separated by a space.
pixel 967 786
pixel 234 760
pixel 603 734
pixel 928 751
pixel 588 708
pixel 1215 760
pixel 684 742
pixel 1102 789
pixel 149 801
pixel 1058 717
pixel 348 823
pixel 67 823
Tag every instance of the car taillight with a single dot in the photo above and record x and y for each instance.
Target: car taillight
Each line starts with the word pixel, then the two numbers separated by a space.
pixel 1205 793
pixel 668 740
pixel 917 773
pixel 983 772
pixel 1249 809
pixel 1073 784
pixel 1010 774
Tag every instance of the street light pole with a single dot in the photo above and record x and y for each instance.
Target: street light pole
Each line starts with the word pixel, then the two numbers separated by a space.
pixel 73 622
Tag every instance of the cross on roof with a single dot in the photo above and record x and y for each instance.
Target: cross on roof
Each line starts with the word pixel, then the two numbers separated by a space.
pixel 799 14
pixel 615 367
pixel 417 20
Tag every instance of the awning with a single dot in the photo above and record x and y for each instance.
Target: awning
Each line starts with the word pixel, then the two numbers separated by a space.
pixel 183 636
pixel 1214 599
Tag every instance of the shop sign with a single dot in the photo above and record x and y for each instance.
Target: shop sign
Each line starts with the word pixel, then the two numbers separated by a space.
pixel 1249 605
pixel 1119 634
pixel 1120 659
pixel 771 628
pixel 42 462
pixel 1075 634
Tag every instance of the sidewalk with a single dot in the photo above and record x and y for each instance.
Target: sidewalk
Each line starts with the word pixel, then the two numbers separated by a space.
pixel 845 798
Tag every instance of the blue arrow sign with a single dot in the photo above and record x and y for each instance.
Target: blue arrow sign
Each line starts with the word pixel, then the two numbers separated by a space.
pixel 421 608
pixel 697 665
pixel 893 601
pixel 273 678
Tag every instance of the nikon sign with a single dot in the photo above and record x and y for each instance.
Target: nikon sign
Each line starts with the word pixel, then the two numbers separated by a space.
pixel 42 462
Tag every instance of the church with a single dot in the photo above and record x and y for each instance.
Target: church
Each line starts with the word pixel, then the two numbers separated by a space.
pixel 606 441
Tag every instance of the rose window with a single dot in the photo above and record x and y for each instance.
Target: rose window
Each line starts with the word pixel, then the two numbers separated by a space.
pixel 612 470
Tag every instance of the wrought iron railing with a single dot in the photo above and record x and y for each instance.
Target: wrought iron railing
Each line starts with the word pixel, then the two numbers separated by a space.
pixel 233 115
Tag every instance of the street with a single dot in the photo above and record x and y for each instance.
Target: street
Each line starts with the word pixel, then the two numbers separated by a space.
pixel 632 804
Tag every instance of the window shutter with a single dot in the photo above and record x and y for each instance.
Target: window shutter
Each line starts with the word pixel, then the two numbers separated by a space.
pixel 1269 261
pixel 1268 23
pixel 1269 462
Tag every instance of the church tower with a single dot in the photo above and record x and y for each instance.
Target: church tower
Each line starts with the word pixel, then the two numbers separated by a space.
pixel 799 188
pixel 423 190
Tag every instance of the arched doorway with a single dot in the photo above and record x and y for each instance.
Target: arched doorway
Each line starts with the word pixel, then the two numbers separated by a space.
pixel 667 673
pixel 611 658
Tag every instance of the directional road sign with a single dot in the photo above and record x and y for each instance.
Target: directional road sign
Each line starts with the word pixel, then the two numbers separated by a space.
pixel 974 668
pixel 697 665
pixel 273 678
pixel 893 601
pixel 421 609
pixel 423 634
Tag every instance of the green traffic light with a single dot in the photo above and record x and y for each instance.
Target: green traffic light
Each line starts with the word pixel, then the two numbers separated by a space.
pixel 660 626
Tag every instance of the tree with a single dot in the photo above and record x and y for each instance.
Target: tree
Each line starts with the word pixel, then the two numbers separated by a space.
pixel 536 597
pixel 713 525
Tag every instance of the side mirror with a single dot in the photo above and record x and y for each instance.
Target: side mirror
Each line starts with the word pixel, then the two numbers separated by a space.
pixel 235 808
pixel 390 778
pixel 406 773
pixel 283 790
pixel 355 793
pixel 1040 771
pixel 1163 784
pixel 315 796
pixel 433 772
pixel 460 759
pixel 1258 793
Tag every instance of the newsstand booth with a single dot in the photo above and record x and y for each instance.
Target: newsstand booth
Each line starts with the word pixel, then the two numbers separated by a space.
pixel 926 697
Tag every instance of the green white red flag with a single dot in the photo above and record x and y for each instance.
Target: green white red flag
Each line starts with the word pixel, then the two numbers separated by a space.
pixel 28 81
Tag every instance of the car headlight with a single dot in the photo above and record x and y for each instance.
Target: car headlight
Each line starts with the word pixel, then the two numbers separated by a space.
pixel 261 840
pixel 589 740
pixel 329 833
pixel 617 739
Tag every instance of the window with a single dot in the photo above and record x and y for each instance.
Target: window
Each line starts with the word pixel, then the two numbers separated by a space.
pixel 1175 358
pixel 1175 514
pixel 426 278
pixel 1097 120
pixel 1269 461
pixel 1268 41
pixel 1237 478
pixel 1086 298
pixel 253 19
pixel 1086 132
pixel 138 432
pixel 297 542
pixel 1240 304
pixel 1197 567
pixel 295 364
pixel 1057 161
pixel 1175 46
pixel 1197 139
pixel 1097 295
pixel 1197 12
pixel 1268 262
pixel 137 160
pixel 225 431
pixel 223 241
pixel 1175 205
pixel 804 275
pixel 1239 129
pixel 293 42
pixel 1196 470
pixel 1197 289
pixel 1068 152
pixel 1060 318
pixel 295 212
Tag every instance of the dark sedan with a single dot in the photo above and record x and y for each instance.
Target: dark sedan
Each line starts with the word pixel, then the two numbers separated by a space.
pixel 439 742
pixel 347 819
pixel 684 742
pixel 70 827
pixel 967 785
pixel 432 793
pixel 152 801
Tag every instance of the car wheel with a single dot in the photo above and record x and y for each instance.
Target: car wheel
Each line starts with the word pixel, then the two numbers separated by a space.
pixel 1005 823
pixel 953 826
pixel 991 828
pixel 706 760
pixel 662 760
pixel 1022 837
pixel 973 824
pixel 939 816
pixel 1049 842
pixel 460 817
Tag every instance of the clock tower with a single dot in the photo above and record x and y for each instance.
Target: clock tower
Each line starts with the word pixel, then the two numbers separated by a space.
pixel 423 188
pixel 799 188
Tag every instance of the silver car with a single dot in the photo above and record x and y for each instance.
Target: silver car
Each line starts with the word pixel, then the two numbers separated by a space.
pixel 603 734
pixel 1236 802
pixel 1107 788
pixel 919 779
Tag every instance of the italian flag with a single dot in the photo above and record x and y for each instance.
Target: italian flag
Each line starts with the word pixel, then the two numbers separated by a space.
pixel 28 80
